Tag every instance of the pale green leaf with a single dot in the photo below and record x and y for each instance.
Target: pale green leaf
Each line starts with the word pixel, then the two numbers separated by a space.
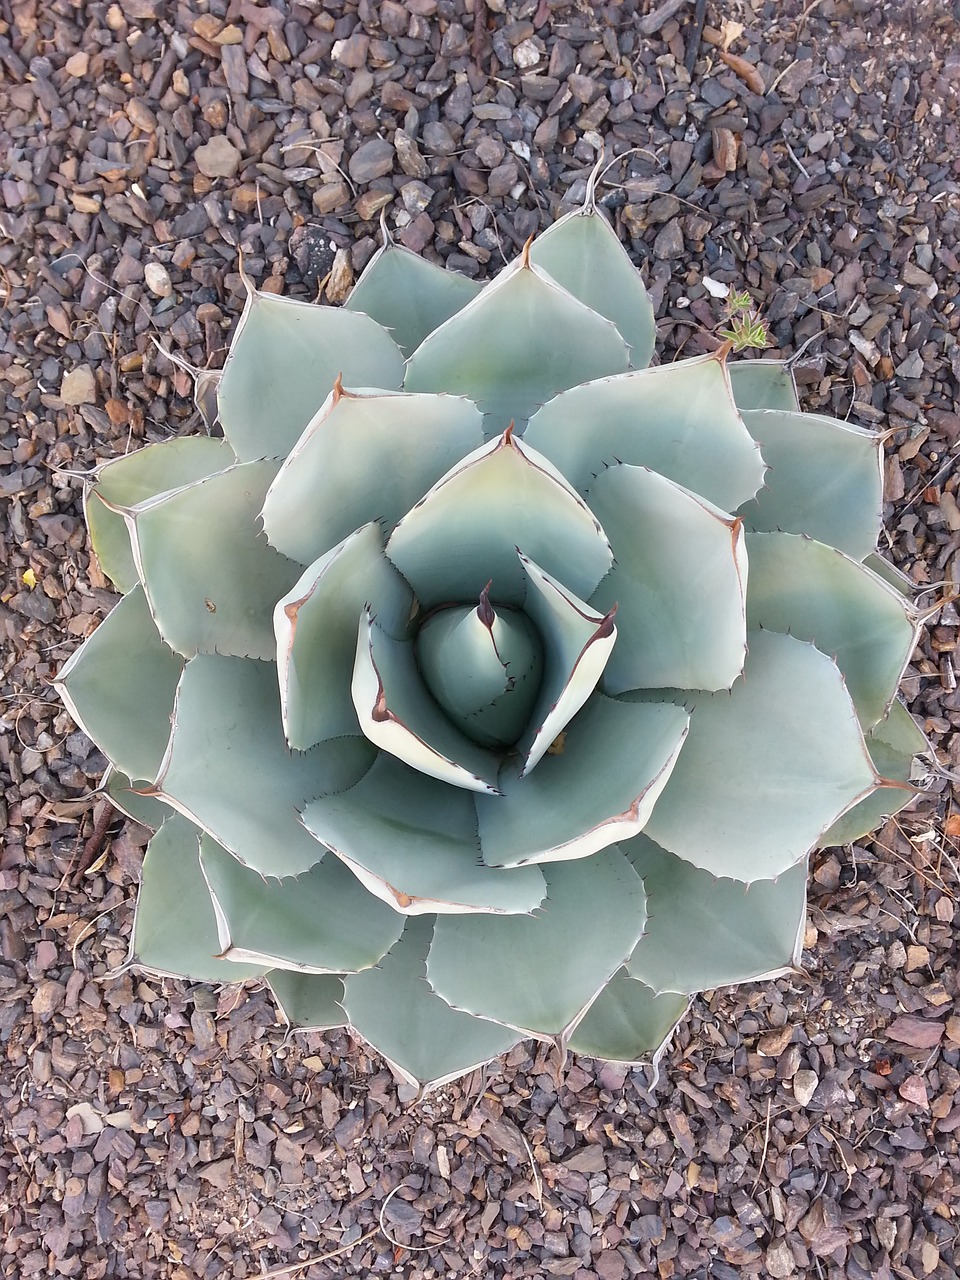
pixel 229 770
pixel 679 584
pixel 322 921
pixel 628 1022
pixel 119 686
pixel 423 1039
pixel 704 932
pixel 123 794
pixel 308 1001
pixel 817 593
pixel 767 767
pixel 824 480
pixel 413 842
pixel 763 384
pixel 517 344
pixel 366 456
pixel 678 419
pixel 283 362
pixel 599 784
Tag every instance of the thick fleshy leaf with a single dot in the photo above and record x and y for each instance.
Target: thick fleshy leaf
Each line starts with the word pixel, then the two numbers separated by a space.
pixel 316 629
pixel 515 346
pixel 413 842
pixel 365 456
pixel 308 1001
pixel 119 686
pixel 628 1022
pixel 678 419
pixel 583 253
pixel 891 574
pixel 124 482
pixel 578 642
pixel 704 932
pixel 409 296
pixel 423 1039
pixel 767 767
pixel 323 921
pixel 229 770
pixel 764 384
pixel 817 593
pixel 398 715
pixel 825 480
pixel 895 746
pixel 598 785
pixel 123 794
pixel 210 575
pixel 175 928
pixel 679 583
pixel 465 532
pixel 484 667
pixel 283 361
pixel 539 973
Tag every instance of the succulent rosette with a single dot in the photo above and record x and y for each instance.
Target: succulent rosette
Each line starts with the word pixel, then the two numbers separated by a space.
pixel 482 683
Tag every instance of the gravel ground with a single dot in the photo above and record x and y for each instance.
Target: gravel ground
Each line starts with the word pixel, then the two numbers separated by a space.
pixel 809 152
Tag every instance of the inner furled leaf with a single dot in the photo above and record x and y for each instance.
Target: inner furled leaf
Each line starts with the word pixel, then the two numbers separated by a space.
pixel 322 921
pixel 825 480
pixel 767 767
pixel 422 1038
pixel 284 359
pixel 678 419
pixel 398 715
pixel 409 296
pixel 763 384
pixel 228 767
pixel 817 593
pixel 598 783
pixel 210 575
pixel 577 646
pixel 679 583
pixel 628 1021
pixel 465 532
pixel 517 344
pixel 316 629
pixel 538 973
pixel 484 666
pixel 365 456
pixel 175 927
pixel 120 685
pixel 125 482
pixel 705 932
pixel 413 842
pixel 583 253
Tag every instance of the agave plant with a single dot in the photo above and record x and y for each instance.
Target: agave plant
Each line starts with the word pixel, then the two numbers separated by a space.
pixel 482 683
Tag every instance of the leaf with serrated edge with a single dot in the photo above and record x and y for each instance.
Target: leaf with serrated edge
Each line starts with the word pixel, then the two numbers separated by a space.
pixel 399 716
pixel 767 767
pixel 677 419
pixel 282 364
pixel 124 482
pixel 679 583
pixel 466 531
pixel 539 973
pixel 174 927
pixel 228 768
pixel 123 794
pixel 413 842
pixel 323 921
pixel 825 480
pixel 599 784
pixel 426 1042
pixel 119 686
pixel 315 625
pixel 308 1001
pixel 628 1022
pixel 515 346
pixel 763 384
pixel 705 932
pixel 816 593
pixel 367 455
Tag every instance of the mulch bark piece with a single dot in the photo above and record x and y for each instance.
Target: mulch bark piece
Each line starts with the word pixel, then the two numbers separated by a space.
pixel 809 153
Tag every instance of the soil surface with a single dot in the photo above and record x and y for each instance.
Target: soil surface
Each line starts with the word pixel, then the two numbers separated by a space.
pixel 809 152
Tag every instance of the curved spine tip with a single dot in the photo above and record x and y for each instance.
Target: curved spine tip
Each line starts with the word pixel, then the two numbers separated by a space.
pixel 525 252
pixel 388 240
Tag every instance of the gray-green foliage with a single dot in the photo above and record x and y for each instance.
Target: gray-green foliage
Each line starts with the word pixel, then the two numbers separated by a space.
pixel 467 599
